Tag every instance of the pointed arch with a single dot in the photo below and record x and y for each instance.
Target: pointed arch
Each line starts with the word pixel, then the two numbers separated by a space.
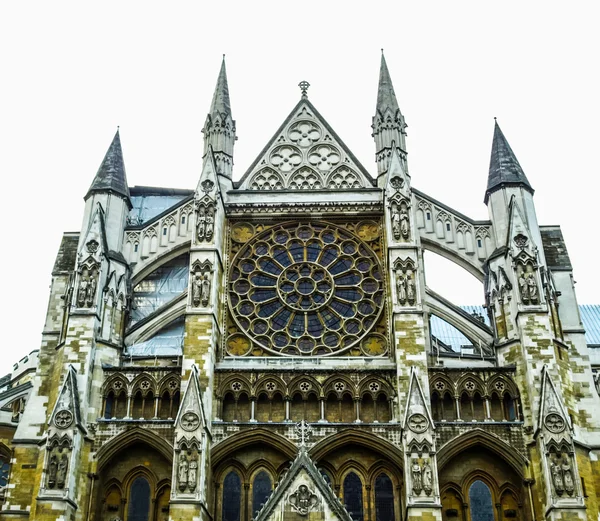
pixel 479 437
pixel 223 449
pixel 357 437
pixel 136 435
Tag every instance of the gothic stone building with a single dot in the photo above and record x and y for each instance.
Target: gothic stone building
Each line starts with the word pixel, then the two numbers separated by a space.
pixel 267 348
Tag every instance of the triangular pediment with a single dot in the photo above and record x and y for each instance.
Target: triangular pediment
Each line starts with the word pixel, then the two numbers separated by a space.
pixel 305 154
pixel 303 494
pixel 66 412
pixel 553 415
pixel 190 416
pixel 417 416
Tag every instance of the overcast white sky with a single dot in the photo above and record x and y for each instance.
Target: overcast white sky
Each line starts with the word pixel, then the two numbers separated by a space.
pixel 73 71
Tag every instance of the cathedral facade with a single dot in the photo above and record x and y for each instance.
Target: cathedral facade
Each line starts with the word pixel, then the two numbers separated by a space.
pixel 267 349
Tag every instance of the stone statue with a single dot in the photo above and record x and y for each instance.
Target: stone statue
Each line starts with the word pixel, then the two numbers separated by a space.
pixel 196 290
pixel 532 287
pixel 205 290
pixel 404 227
pixel 396 228
pixel 52 470
pixel 557 478
pixel 201 225
pixel 417 482
pixel 568 477
pixel 523 288
pixel 193 474
pixel 427 478
pixel 210 225
pixel 90 292
pixel 410 288
pixel 62 471
pixel 82 291
pixel 401 288
pixel 182 472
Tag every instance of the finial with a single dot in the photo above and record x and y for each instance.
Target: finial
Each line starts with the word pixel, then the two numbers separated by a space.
pixel 303 430
pixel 495 118
pixel 304 87
pixel 382 50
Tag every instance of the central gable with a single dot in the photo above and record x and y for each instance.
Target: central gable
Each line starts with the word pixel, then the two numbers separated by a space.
pixel 305 154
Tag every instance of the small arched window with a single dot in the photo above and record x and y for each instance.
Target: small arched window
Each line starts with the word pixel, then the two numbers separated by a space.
pixel 139 500
pixel 480 502
pixel 232 495
pixel 108 405
pixel 261 490
pixel 353 496
pixel 384 498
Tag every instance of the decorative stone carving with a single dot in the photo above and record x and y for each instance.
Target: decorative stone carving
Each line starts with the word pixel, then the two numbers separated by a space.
pixel 405 284
pixel 417 477
pixel 205 224
pixel 192 473
pixel 86 291
pixel 303 500
pixel 400 220
pixel 397 183
pixel 266 179
pixel 304 133
pixel 344 178
pixel 92 246
pixel 306 179
pixel 418 423
pixel 557 478
pixel 190 421
pixel 242 232
pixel 182 472
pixel 528 285
pixel 52 471
pixel 554 423
pixel 63 419
pixel 286 158
pixel 63 466
pixel 567 473
pixel 427 478
pixel 201 284
pixel 324 157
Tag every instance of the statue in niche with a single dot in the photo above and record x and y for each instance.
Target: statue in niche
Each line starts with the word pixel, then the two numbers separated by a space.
pixel 410 287
pixel 193 474
pixel 528 285
pixel 395 217
pixel 52 470
pixel 404 223
pixel 417 481
pixel 557 478
pixel 201 288
pixel 201 225
pixel 87 289
pixel 63 465
pixel 182 472
pixel 401 287
pixel 210 224
pixel 427 478
pixel 568 477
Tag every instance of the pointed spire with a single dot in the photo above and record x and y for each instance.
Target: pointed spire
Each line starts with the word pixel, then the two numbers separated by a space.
pixel 386 97
pixel 505 170
pixel 111 174
pixel 220 102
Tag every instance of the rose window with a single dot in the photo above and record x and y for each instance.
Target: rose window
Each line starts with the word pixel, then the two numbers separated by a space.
pixel 306 289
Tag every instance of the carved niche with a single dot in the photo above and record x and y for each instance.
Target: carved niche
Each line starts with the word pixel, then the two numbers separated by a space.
pixel 188 467
pixel 205 219
pixel 88 285
pixel 400 220
pixel 406 293
pixel 201 284
pixel 57 467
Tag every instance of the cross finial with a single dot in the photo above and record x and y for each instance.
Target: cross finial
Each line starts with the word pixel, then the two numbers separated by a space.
pixel 304 88
pixel 303 430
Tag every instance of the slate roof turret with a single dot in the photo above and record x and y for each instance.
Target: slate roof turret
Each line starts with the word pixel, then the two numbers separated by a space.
pixel 111 174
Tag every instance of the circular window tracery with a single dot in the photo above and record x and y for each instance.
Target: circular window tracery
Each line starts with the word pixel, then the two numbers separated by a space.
pixel 306 289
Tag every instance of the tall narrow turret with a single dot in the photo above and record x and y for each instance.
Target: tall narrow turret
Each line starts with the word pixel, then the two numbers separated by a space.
pixel 388 123
pixel 219 128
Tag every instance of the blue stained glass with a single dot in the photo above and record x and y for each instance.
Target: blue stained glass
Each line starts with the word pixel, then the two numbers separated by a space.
pixel 232 495
pixel 353 496
pixel 261 490
pixel 312 251
pixel 139 500
pixel 480 502
pixel 384 498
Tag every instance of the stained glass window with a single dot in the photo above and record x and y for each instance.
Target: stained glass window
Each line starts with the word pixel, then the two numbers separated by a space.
pixel 480 502
pixel 232 495
pixel 294 284
pixel 139 500
pixel 384 498
pixel 353 496
pixel 261 490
